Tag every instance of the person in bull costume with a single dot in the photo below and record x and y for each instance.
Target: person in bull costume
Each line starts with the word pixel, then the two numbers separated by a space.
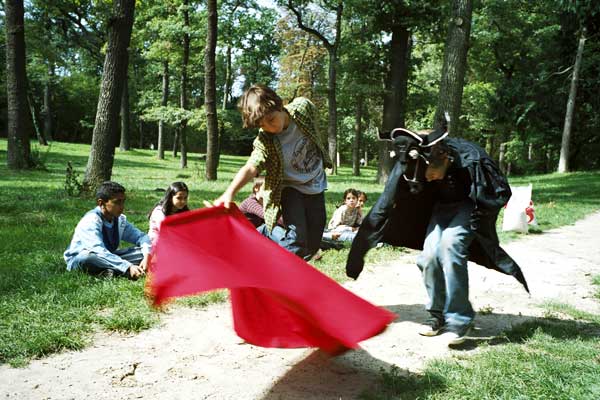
pixel 443 196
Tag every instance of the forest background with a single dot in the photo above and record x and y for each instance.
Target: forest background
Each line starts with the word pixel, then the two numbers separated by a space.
pixel 367 65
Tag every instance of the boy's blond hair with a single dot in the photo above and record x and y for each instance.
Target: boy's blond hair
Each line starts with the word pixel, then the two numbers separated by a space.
pixel 256 102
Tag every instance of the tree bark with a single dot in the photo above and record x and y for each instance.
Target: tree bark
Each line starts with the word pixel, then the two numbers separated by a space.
pixel 332 49
pixel 210 100
pixel 18 151
pixel 227 88
pixel 125 144
pixel 183 97
pixel 455 65
pixel 563 162
pixel 104 137
pixel 395 95
pixel 34 119
pixel 163 102
pixel 357 136
pixel 48 102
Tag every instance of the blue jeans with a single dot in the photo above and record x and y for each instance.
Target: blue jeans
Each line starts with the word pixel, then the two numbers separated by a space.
pixel 283 237
pixel 443 262
pixel 94 264
pixel 305 215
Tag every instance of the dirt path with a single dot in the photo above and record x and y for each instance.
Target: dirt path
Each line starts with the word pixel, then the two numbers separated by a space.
pixel 196 354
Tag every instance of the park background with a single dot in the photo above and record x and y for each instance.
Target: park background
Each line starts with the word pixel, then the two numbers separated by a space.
pixel 145 93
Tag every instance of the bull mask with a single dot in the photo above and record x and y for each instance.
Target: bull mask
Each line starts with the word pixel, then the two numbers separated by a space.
pixel 414 151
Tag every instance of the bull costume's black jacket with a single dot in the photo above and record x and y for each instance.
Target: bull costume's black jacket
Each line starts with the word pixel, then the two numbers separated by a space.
pixel 400 218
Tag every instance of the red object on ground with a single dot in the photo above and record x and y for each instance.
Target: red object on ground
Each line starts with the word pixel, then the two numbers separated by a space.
pixel 277 299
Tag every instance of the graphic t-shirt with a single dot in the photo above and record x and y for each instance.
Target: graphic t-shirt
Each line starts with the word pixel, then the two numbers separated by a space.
pixel 302 162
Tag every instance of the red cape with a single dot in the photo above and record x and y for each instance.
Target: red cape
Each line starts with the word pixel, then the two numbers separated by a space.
pixel 278 300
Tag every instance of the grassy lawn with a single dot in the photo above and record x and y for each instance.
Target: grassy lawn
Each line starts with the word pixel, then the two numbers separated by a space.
pixel 545 359
pixel 44 309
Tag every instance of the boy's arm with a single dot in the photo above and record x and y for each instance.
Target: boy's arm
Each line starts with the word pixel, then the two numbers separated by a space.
pixel 243 176
pixel 132 234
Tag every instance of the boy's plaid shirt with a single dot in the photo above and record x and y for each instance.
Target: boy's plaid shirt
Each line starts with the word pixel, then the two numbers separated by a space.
pixel 267 155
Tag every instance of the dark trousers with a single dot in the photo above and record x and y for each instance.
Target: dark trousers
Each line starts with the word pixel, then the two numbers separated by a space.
pixel 305 215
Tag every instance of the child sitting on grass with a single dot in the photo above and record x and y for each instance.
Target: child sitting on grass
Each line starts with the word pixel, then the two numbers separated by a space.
pixel 346 219
pixel 95 245
pixel 174 201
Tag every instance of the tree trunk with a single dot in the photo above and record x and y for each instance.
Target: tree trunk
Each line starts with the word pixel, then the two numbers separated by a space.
pixel 34 119
pixel 332 108
pixel 48 102
pixel 210 100
pixel 183 98
pixel 18 151
pixel 357 136
pixel 125 144
pixel 395 94
pixel 455 65
pixel 141 131
pixel 563 163
pixel 176 141
pixel 163 102
pixel 332 82
pixel 501 157
pixel 104 137
pixel 227 88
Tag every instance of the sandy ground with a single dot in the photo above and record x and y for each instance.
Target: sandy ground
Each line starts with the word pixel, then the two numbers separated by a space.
pixel 196 354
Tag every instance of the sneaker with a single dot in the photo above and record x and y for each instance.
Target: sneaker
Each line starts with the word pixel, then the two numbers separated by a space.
pixel 106 274
pixel 456 334
pixel 431 327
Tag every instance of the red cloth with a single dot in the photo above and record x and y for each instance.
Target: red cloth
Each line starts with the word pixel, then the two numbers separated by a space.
pixel 278 300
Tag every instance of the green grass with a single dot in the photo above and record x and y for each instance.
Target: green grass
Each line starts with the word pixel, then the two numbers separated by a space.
pixel 44 309
pixel 540 359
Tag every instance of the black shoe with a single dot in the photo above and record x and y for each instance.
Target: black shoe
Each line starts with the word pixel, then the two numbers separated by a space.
pixel 431 327
pixel 457 334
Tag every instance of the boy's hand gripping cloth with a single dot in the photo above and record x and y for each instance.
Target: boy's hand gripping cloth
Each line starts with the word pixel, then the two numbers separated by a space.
pixel 277 299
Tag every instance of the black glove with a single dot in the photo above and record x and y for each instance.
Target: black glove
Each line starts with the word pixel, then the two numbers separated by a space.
pixel 353 270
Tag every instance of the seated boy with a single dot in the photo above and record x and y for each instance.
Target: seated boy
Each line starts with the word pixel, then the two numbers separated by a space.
pixel 95 243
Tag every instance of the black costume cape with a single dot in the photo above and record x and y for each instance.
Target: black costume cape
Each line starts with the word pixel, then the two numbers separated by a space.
pixel 400 218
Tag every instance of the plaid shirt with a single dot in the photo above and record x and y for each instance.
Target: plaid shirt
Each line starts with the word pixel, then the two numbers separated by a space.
pixel 267 155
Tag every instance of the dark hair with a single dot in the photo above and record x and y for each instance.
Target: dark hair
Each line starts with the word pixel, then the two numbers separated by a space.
pixel 256 102
pixel 107 190
pixel 167 201
pixel 361 193
pixel 347 191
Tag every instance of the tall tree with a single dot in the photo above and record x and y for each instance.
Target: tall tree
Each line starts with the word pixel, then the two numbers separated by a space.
pixel 183 94
pixel 455 64
pixel 332 49
pixel 104 137
pixel 229 27
pixel 163 102
pixel 394 99
pixel 47 108
pixel 18 151
pixel 210 93
pixel 563 162
pixel 125 143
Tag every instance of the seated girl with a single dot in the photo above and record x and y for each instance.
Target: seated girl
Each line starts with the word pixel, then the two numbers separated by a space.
pixel 174 201
pixel 346 219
